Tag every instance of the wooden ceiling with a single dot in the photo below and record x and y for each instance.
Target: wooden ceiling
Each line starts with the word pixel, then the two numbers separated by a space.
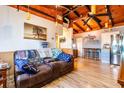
pixel 79 16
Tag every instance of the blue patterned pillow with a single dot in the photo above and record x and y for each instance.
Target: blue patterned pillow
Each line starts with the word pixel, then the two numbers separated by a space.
pixel 20 62
pixel 64 57
pixel 55 52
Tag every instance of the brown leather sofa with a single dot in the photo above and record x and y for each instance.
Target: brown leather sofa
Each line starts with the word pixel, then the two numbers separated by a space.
pixel 48 72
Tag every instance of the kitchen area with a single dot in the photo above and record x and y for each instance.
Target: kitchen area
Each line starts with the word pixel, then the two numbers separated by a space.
pixel 104 45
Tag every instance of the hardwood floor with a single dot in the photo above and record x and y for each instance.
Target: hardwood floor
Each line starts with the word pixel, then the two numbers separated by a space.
pixel 88 74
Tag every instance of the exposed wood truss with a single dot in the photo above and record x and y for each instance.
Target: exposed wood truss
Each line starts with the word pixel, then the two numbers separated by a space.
pixel 75 31
pixel 79 15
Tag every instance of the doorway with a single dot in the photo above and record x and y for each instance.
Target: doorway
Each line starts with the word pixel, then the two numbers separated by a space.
pixel 79 43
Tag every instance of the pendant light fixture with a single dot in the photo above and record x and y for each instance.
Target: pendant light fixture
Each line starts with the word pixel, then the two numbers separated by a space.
pixel 28 15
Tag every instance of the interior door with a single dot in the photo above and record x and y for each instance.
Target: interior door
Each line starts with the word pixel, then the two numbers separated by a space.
pixel 79 42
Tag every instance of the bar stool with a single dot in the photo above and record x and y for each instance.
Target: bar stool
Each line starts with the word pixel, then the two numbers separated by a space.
pixel 93 53
pixel 84 53
pixel 90 53
pixel 87 53
pixel 97 54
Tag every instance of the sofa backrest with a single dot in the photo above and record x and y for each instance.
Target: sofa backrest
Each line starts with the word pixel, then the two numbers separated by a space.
pixel 46 52
pixel 26 54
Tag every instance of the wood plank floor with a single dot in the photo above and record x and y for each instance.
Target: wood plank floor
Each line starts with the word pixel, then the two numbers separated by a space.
pixel 88 74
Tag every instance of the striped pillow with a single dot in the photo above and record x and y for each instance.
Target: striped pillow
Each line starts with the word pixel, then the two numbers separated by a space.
pixel 55 52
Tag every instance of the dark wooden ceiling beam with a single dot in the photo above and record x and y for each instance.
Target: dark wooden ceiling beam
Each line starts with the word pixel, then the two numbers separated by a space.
pixel 75 30
pixel 87 25
pixel 79 26
pixel 38 11
pixel 109 14
pixel 76 13
pixel 66 7
pixel 98 22
pixel 70 9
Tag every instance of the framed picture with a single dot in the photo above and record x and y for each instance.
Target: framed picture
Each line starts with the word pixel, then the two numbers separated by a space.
pixel 62 39
pixel 34 32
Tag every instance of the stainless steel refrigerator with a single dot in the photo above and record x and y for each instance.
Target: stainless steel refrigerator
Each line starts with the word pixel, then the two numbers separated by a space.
pixel 116 49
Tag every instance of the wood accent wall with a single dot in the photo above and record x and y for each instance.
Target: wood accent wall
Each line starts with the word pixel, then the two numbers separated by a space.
pixel 9 57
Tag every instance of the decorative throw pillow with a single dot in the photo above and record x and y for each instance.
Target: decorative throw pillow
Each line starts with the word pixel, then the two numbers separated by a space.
pixel 20 62
pixel 30 68
pixel 22 54
pixel 34 57
pixel 64 57
pixel 55 52
pixel 45 53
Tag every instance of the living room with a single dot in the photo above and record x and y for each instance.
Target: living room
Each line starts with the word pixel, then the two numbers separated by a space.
pixel 61 46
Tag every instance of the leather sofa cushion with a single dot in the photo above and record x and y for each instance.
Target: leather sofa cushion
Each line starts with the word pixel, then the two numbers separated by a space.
pixel 26 80
pixel 59 66
pixel 48 60
pixel 64 65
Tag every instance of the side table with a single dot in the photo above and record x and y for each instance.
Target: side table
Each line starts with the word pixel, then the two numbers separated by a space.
pixel 3 71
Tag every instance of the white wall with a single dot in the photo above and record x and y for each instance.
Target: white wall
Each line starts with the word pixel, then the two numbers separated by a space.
pixel 106 37
pixel 68 34
pixel 90 44
pixel 102 37
pixel 12 30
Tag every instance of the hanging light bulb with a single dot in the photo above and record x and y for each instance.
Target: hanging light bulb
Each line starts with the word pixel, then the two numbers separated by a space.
pixel 106 25
pixel 88 29
pixel 28 16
